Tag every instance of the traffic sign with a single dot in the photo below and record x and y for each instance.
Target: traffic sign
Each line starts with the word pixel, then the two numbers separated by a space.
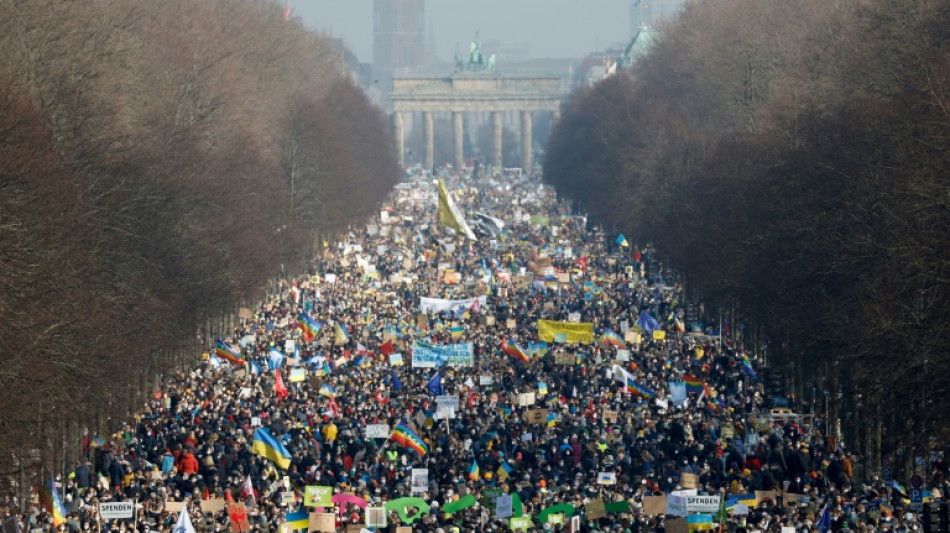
pixel 916 481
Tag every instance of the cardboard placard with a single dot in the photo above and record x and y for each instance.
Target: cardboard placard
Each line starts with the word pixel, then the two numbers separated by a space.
pixel 511 323
pixel 689 481
pixel 791 498
pixel 595 509
pixel 565 359
pixel 213 505
pixel 677 525
pixel 654 505
pixel 762 495
pixel 238 515
pixel 611 416
pixel 489 321
pixel 174 507
pixel 404 529
pixel 156 475
pixel 322 522
pixel 245 313
pixel 536 416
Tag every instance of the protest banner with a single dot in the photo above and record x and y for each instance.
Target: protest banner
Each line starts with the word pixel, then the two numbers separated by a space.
pixel 439 305
pixel 428 355
pixel 582 332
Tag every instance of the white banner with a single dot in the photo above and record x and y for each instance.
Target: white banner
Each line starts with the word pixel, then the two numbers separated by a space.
pixel 438 305
pixel 113 510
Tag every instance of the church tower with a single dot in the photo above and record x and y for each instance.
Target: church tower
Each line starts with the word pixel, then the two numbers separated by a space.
pixel 399 36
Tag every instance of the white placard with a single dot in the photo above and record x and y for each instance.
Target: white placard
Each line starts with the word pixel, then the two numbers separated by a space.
pixel 113 510
pixel 526 399
pixel 420 480
pixel 447 402
pixel 504 506
pixel 376 431
pixel 484 380
pixel 702 504
pixel 623 355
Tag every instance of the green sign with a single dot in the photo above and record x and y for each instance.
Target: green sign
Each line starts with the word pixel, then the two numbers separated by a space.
pixel 521 522
pixel 318 496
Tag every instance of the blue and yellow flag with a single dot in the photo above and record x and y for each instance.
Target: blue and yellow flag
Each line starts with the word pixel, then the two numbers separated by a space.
pixel 268 447
pixel 299 519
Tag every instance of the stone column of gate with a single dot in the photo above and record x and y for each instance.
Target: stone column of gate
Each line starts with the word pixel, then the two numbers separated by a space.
pixel 526 141
pixel 496 137
pixel 429 139
pixel 398 132
pixel 459 136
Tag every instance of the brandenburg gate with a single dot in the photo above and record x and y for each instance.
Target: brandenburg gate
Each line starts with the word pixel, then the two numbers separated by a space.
pixel 465 92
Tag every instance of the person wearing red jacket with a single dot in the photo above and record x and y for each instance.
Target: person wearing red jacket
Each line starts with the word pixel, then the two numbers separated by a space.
pixel 188 464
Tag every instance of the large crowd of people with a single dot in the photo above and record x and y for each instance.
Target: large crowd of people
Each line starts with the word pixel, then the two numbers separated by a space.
pixel 552 422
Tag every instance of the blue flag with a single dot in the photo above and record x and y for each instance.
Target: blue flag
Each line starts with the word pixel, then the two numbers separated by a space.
pixel 648 323
pixel 397 385
pixel 824 523
pixel 435 385
pixel 255 368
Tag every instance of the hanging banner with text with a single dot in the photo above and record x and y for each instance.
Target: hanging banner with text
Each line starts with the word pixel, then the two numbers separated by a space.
pixel 428 355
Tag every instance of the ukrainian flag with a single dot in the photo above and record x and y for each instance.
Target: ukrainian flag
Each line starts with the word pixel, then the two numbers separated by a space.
pixel 341 335
pixel 299 519
pixel 268 447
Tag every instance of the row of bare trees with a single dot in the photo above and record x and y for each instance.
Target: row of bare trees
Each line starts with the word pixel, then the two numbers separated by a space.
pixel 791 158
pixel 158 162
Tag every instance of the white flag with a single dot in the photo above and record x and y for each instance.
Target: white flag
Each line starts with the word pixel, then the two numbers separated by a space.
pixel 184 523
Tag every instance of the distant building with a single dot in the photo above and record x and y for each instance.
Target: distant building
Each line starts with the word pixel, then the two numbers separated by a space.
pixel 399 34
pixel 399 41
pixel 508 51
pixel 650 13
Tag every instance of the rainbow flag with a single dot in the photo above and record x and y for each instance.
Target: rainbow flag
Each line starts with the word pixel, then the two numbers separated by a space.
pixel 747 366
pixel 58 509
pixel 299 519
pixel 680 327
pixel 310 327
pixel 630 384
pixel 512 349
pixel 694 384
pixel 404 435
pixel 635 388
pixel 473 471
pixel 341 333
pixel 613 338
pixel 222 350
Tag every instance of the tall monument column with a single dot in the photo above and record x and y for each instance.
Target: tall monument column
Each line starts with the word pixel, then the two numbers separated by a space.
pixel 496 138
pixel 459 135
pixel 526 141
pixel 429 142
pixel 398 132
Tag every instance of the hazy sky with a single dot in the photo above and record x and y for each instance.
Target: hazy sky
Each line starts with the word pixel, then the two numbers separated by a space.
pixel 552 28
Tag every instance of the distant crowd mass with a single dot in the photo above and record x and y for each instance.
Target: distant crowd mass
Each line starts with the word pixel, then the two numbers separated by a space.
pixel 537 377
